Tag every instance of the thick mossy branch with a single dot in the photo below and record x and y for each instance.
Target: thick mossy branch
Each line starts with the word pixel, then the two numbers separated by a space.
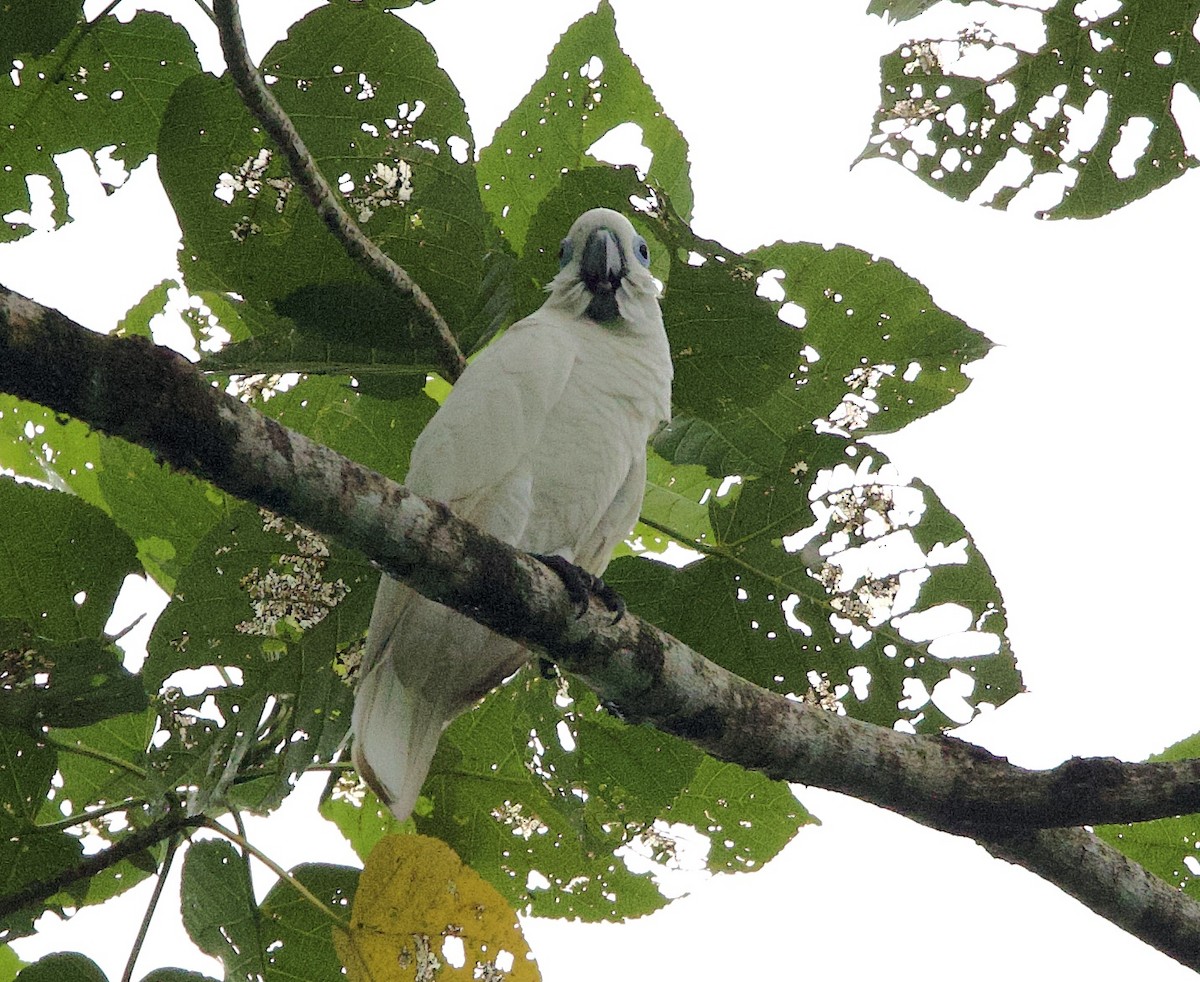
pixel 131 389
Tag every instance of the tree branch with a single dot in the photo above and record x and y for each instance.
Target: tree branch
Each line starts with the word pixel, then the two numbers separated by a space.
pixel 266 109
pixel 131 389
pixel 39 891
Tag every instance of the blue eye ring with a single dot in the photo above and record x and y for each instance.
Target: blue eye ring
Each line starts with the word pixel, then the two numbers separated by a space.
pixel 642 250
pixel 565 248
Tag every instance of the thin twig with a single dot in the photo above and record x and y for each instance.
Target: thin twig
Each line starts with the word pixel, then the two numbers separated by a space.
pixel 82 750
pixel 40 890
pixel 114 638
pixel 140 940
pixel 72 820
pixel 266 109
pixel 275 868
pixel 207 10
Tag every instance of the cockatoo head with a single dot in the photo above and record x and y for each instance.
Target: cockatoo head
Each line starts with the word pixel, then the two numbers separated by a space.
pixel 604 271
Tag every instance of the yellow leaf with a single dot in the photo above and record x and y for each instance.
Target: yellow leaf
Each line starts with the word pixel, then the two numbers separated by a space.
pixel 420 914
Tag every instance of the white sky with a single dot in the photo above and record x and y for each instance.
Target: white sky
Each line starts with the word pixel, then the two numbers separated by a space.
pixel 1067 460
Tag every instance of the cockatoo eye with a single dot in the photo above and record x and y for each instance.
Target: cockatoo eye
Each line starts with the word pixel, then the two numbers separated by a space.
pixel 642 250
pixel 565 249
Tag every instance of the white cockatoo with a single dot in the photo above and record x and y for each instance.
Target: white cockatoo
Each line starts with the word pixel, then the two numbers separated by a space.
pixel 542 443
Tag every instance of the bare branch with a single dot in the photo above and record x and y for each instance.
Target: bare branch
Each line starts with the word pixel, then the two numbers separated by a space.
pixel 266 108
pixel 151 396
pixel 1110 884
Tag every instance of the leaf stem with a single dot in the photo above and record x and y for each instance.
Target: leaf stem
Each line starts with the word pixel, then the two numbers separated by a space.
pixel 73 820
pixel 278 870
pixel 83 750
pixel 207 10
pixel 140 940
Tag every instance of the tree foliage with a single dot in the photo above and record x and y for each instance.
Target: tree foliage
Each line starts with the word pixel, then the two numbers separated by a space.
pixel 813 568
pixel 1092 117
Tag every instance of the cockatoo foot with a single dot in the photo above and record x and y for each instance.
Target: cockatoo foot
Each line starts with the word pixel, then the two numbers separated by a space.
pixel 582 586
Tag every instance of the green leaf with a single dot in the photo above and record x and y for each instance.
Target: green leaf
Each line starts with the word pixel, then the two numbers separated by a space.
pixel 38 444
pixel 377 432
pixel 26 767
pixel 10 964
pixel 901 10
pixel 388 127
pixel 26 853
pixel 1168 847
pixel 71 684
pixel 136 322
pixel 285 938
pixel 219 913
pixel 539 785
pixel 63 966
pixel 590 87
pixel 101 764
pixel 109 89
pixel 888 353
pixel 176 975
pixel 62 562
pixel 276 603
pixel 298 938
pixel 165 512
pixel 748 818
pixel 359 815
pixel 34 27
pixel 953 129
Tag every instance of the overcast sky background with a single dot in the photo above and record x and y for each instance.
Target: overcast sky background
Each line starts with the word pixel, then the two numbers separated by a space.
pixel 1066 459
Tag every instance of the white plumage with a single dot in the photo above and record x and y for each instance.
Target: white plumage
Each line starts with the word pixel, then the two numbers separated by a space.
pixel 542 443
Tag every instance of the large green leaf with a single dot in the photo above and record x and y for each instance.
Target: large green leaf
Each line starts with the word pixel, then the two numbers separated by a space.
pixel 102 763
pixel 539 787
pixel 34 27
pixel 38 444
pixel 10 964
pixel 372 421
pixel 62 562
pixel 388 128
pixel 219 913
pixel 275 603
pixel 29 854
pixel 63 966
pixel 817 555
pixel 590 87
pixel 55 684
pixel 285 938
pixel 108 87
pixel 952 129
pixel 296 936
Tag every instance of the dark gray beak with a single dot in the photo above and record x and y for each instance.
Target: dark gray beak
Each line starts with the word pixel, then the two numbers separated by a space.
pixel 601 268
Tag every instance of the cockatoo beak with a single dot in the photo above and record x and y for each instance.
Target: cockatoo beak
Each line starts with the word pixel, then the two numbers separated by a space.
pixel 601 268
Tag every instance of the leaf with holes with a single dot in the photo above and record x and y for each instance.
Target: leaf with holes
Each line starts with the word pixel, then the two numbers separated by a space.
pixel 1091 117
pixel 590 87
pixel 420 913
pixel 560 805
pixel 389 130
pixel 110 90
